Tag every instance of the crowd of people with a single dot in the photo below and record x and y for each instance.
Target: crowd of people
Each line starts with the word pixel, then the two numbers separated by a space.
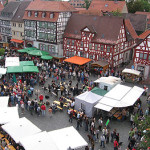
pixel 28 98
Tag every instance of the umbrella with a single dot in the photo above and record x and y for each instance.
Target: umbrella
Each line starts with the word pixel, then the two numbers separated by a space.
pixel 46 57
pixel 27 49
pixel 37 53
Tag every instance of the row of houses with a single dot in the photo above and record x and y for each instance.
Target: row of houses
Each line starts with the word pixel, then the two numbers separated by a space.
pixel 58 28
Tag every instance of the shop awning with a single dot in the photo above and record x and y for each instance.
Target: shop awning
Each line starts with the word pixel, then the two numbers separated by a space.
pixel 103 107
pixel 100 63
pixel 26 63
pixel 77 60
pixel 16 41
pixel 15 69
pixel 30 69
pixel 131 71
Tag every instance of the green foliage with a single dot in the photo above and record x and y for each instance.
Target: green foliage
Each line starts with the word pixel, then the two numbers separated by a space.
pixel 2 51
pixel 116 13
pixel 143 125
pixel 138 5
pixel 87 4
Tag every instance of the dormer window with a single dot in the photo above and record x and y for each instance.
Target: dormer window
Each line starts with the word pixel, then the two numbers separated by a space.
pixel 29 13
pixel 51 15
pixel 36 14
pixel 43 14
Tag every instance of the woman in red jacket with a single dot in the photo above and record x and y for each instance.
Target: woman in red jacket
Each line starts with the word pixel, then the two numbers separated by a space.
pixel 43 109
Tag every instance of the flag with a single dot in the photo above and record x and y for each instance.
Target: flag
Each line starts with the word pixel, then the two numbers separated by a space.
pixel 107 122
pixel 14 78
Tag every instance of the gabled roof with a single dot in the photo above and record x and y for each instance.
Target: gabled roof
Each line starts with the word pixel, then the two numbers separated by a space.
pixel 143 13
pixel 18 17
pixel 107 28
pixel 54 6
pixel 11 7
pixel 144 34
pixel 107 5
pixel 138 20
pixel 130 29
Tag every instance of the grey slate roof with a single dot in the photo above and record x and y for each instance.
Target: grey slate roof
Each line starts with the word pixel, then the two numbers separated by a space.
pixel 20 12
pixel 9 11
pixel 138 21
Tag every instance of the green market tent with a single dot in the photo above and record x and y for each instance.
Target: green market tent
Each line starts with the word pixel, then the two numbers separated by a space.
pixel 30 69
pixel 27 50
pixel 37 53
pixel 14 69
pixel 46 57
pixel 99 91
pixel 26 63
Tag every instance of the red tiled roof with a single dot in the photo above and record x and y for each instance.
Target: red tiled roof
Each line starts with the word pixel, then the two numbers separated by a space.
pixel 144 13
pixel 90 12
pixel 53 6
pixel 39 18
pixel 1 7
pixel 130 29
pixel 107 5
pixel 144 34
pixel 107 28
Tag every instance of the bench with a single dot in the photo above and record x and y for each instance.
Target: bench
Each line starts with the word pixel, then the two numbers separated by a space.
pixel 68 100
pixel 59 108
pixel 56 102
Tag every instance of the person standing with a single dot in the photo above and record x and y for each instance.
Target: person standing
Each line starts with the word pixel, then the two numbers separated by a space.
pixel 103 140
pixel 50 111
pixel 43 109
pixel 116 145
pixel 100 123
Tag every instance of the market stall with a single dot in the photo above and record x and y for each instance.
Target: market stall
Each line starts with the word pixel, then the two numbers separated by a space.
pixel 67 138
pixel 87 101
pixel 4 101
pixel 120 96
pixel 131 75
pixel 107 83
pixel 20 128
pixel 100 64
pixel 8 114
pixel 12 61
pixel 38 141
pixel 2 71
pixel 77 60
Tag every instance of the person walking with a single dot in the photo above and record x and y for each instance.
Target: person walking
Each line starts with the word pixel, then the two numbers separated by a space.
pixel 50 111
pixel 103 140
pixel 43 109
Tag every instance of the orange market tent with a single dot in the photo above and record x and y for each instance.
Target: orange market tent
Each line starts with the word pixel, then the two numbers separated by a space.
pixel 77 60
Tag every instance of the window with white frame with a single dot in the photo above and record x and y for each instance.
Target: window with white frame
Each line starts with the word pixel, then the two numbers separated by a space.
pixel 29 13
pixel 51 15
pixel 36 14
pixel 43 14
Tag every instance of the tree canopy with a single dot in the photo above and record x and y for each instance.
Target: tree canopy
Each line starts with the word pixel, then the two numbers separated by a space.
pixel 138 5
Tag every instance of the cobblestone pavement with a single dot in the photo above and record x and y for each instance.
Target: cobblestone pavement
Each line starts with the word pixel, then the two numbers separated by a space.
pixel 60 120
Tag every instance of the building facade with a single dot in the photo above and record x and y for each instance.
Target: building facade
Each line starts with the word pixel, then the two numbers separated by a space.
pixel 44 25
pixel 17 25
pixel 142 54
pixel 5 21
pixel 95 38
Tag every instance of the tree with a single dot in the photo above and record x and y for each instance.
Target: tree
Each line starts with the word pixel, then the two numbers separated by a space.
pixel 138 5
pixel 144 127
pixel 87 4
pixel 2 51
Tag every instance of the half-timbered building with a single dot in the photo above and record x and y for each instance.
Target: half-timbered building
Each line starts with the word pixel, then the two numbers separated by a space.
pixel 5 20
pixel 99 38
pixel 44 24
pixel 142 54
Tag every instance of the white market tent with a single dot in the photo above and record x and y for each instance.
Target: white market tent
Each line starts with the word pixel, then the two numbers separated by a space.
pixel 67 137
pixel 4 101
pixel 120 96
pixel 107 83
pixel 12 61
pixel 38 141
pixel 8 114
pixel 20 128
pixel 87 101
pixel 3 71
pixel 131 71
